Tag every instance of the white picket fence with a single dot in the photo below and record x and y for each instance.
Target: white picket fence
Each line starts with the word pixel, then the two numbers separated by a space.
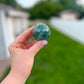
pixel 73 29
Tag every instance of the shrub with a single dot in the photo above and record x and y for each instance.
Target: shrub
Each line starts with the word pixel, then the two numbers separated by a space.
pixel 45 10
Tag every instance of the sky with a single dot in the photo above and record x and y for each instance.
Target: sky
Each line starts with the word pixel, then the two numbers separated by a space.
pixel 27 3
pixel 30 3
pixel 80 2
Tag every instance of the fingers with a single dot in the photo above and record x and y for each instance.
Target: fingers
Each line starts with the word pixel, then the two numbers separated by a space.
pixel 37 46
pixel 25 36
pixel 31 44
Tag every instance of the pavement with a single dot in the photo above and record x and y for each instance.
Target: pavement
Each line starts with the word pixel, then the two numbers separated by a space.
pixel 4 65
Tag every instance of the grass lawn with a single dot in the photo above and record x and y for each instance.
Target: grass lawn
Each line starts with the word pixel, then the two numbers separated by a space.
pixel 60 62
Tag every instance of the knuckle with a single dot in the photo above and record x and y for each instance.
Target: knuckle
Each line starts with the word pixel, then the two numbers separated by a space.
pixel 40 46
pixel 10 47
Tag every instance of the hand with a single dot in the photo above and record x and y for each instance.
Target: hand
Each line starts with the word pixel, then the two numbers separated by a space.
pixel 22 57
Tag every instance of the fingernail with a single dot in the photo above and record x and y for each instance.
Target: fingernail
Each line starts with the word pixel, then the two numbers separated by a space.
pixel 44 43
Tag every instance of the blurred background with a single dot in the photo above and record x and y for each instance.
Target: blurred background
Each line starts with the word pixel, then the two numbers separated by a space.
pixel 62 60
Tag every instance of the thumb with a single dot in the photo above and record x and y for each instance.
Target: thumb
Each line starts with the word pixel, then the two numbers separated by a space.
pixel 37 46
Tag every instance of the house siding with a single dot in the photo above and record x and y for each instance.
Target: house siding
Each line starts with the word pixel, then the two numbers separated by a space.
pixel 3 39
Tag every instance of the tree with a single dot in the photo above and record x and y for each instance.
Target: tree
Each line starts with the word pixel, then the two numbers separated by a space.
pixel 68 3
pixel 3 1
pixel 45 9
pixel 9 2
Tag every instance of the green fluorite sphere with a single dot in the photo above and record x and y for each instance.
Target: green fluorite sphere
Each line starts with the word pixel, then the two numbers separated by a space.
pixel 41 32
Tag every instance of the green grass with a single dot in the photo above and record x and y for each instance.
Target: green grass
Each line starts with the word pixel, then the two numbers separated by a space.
pixel 60 62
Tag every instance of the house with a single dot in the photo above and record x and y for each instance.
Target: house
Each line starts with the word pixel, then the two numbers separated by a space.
pixel 73 29
pixel 12 23
pixel 69 15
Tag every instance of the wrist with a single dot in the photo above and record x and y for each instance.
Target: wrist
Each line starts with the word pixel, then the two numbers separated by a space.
pixel 14 78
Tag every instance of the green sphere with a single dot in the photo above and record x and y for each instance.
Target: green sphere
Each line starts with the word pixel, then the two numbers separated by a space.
pixel 41 32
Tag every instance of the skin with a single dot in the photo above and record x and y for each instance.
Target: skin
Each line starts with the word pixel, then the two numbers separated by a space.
pixel 22 56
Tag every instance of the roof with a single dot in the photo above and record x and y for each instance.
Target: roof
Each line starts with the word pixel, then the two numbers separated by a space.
pixel 12 12
pixel 69 11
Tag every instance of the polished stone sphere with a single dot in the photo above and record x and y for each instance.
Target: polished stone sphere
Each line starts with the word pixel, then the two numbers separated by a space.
pixel 41 32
